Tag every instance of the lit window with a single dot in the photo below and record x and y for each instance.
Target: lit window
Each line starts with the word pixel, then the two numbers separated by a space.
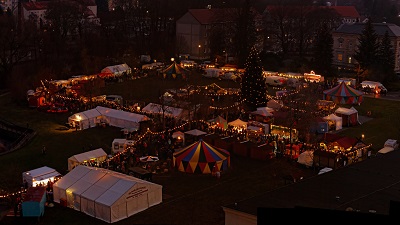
pixel 349 60
pixel 340 57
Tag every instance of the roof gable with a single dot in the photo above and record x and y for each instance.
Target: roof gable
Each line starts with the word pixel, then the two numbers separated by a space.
pixel 346 11
pixel 380 29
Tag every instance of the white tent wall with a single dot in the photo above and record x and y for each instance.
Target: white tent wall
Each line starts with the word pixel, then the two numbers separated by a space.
pixel 102 212
pixel 81 186
pixel 73 194
pixel 87 202
pixel 105 194
pixel 60 187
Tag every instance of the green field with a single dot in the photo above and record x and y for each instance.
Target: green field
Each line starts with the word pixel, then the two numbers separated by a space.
pixel 191 199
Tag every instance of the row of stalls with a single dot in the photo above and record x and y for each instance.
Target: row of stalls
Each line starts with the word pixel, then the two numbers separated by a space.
pixel 335 151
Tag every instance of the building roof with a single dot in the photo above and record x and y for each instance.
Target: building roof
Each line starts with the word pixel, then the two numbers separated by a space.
pixel 209 16
pixel 343 11
pixel 346 11
pixel 35 5
pixel 44 4
pixel 380 29
pixel 369 185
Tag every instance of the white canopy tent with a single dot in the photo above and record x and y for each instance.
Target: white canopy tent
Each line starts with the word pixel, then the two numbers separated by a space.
pixel 238 123
pixel 105 194
pixel 122 119
pixel 337 120
pixel 349 116
pixel 113 117
pixel 86 119
pixel 97 155
pixel 167 110
pixel 195 132
pixel 117 70
pixel 39 176
pixel 306 158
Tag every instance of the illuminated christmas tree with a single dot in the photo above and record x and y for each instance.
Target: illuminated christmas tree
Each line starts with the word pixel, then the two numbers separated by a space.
pixel 253 87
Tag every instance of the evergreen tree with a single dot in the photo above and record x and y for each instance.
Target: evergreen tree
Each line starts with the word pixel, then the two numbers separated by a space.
pixel 253 87
pixel 323 51
pixel 386 59
pixel 244 32
pixel 367 51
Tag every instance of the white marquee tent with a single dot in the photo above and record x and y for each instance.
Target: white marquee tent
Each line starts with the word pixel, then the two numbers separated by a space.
pixel 86 119
pixel 39 175
pixel 122 119
pixel 113 117
pixel 168 110
pixel 117 70
pixel 105 194
pixel 97 155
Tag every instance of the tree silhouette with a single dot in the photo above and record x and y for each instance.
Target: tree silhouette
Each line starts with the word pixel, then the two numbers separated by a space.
pixel 323 53
pixel 367 50
pixel 253 87
pixel 386 58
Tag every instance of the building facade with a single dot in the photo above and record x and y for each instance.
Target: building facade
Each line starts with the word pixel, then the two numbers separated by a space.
pixel 346 43
pixel 36 11
pixel 194 28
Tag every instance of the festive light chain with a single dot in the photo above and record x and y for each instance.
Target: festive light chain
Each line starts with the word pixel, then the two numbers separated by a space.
pixel 13 194
pixel 228 107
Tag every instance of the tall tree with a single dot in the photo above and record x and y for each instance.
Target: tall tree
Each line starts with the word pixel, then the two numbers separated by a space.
pixel 245 32
pixel 386 59
pixel 367 49
pixel 253 87
pixel 323 51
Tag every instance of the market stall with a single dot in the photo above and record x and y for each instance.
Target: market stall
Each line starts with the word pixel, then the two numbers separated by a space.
pixel 40 176
pixel 95 156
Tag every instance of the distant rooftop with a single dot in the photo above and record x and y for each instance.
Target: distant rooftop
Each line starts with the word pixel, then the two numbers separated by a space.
pixel 380 29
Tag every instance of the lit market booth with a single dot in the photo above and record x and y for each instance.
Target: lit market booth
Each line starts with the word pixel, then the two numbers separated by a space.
pixel 40 176
pixel 95 156
pixel 337 151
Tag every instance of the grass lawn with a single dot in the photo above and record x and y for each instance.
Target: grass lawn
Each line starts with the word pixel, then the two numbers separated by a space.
pixel 189 198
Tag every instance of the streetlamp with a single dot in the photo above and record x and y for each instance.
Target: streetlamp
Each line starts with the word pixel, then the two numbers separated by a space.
pixel 199 50
pixel 226 56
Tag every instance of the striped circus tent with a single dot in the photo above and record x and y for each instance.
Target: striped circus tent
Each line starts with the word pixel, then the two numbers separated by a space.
pixel 175 71
pixel 201 157
pixel 343 94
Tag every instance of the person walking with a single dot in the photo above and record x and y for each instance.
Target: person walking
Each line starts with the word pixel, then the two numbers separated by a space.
pixel 44 150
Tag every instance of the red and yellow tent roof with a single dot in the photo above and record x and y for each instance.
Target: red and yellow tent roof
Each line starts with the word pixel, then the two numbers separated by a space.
pixel 201 157
pixel 343 94
pixel 174 70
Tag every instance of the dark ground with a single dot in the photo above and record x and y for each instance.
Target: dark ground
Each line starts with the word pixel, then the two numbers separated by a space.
pixel 195 198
